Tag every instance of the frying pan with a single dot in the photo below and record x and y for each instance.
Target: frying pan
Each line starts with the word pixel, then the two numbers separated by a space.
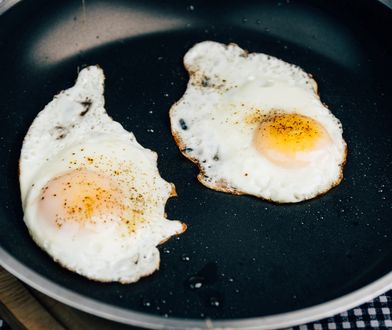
pixel 260 265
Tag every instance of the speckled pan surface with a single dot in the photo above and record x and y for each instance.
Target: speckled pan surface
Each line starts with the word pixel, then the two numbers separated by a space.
pixel 253 259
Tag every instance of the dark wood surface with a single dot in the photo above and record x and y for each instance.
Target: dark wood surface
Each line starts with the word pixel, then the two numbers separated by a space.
pixel 25 308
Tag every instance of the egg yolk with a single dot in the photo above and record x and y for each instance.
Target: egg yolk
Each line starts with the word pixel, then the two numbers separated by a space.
pixel 290 140
pixel 83 196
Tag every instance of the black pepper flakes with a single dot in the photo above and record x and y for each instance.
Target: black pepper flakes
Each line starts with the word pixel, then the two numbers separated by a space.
pixel 183 125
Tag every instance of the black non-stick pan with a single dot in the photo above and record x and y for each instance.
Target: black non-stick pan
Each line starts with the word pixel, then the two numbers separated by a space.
pixel 260 265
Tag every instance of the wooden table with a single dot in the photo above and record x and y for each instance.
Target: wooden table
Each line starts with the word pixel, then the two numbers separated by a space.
pixel 25 308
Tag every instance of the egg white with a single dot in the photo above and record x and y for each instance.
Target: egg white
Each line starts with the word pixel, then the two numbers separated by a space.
pixel 210 123
pixel 74 133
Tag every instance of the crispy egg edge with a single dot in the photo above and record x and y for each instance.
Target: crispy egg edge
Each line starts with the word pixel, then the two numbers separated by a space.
pixel 223 186
pixel 173 193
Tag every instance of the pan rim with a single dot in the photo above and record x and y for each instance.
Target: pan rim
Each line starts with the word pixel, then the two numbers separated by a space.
pixel 129 317
pixel 7 4
pixel 134 318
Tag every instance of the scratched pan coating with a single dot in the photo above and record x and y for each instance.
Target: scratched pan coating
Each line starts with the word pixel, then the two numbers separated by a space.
pixel 253 258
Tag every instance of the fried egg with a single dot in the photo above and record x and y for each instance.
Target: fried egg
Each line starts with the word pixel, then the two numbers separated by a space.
pixel 255 125
pixel 92 196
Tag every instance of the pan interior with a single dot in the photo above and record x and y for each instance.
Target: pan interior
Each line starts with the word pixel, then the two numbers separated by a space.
pixel 252 258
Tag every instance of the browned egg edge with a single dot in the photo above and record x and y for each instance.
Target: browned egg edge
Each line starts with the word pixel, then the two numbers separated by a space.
pixel 223 186
pixel 173 193
pixel 183 229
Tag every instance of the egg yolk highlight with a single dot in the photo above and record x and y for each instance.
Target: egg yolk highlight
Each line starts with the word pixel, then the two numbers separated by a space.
pixel 83 196
pixel 290 140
